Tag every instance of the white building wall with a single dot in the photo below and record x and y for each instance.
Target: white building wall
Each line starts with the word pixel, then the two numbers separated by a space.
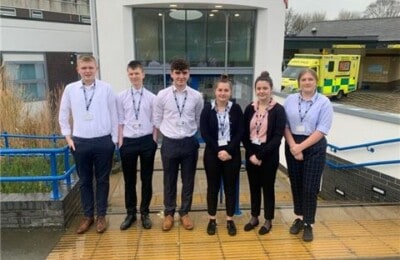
pixel 349 129
pixel 18 35
pixel 116 43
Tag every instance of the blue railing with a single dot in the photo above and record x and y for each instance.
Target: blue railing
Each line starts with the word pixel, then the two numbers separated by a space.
pixel 52 153
pixel 369 147
pixel 7 137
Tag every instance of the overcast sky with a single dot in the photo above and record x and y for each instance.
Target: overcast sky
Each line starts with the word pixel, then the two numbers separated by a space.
pixel 330 7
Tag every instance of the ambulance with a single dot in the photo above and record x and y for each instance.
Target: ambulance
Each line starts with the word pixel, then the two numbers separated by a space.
pixel 337 73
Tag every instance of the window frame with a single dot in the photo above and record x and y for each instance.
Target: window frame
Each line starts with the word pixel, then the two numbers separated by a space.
pixel 26 82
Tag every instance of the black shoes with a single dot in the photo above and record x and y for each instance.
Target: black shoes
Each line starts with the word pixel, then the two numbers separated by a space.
pixel 265 228
pixel 308 234
pixel 146 221
pixel 129 220
pixel 211 227
pixel 230 225
pixel 252 224
pixel 297 226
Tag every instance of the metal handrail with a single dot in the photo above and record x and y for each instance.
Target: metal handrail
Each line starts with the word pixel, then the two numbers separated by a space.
pixel 335 148
pixel 51 152
pixel 369 148
pixel 6 137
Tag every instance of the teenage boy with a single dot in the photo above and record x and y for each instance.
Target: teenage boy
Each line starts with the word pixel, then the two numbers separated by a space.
pixel 176 113
pixel 137 138
pixel 92 138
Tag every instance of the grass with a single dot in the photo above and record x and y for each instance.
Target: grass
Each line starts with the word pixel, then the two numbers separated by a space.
pixel 32 166
pixel 28 118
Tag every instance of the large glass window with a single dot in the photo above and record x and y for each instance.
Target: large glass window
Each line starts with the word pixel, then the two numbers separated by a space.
pixel 216 38
pixel 148 37
pixel 29 78
pixel 240 39
pixel 212 41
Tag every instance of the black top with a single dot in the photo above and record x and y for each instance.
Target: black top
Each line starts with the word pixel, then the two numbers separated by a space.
pixel 275 130
pixel 209 128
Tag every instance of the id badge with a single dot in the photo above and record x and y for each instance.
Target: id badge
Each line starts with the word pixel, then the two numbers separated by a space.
pixel 136 125
pixel 180 123
pixel 88 116
pixel 300 128
pixel 256 141
pixel 222 142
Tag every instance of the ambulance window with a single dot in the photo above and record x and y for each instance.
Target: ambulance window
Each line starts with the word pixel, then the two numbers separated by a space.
pixel 331 66
pixel 344 65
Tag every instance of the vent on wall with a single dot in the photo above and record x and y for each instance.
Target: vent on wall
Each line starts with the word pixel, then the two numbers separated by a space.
pixel 85 19
pixel 36 14
pixel 8 11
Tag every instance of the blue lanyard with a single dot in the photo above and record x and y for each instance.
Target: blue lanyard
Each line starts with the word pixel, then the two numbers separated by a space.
pixel 222 120
pixel 88 102
pixel 136 110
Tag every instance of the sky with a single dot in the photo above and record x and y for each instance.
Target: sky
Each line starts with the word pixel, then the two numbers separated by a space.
pixel 330 7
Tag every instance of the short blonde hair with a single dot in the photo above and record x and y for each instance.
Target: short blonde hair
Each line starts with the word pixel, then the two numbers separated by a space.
pixel 86 58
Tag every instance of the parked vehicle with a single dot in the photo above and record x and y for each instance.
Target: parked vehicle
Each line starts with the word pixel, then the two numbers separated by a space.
pixel 337 73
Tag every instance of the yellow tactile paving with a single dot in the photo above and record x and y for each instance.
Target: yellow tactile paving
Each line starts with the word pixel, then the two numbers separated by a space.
pixel 340 232
pixel 333 240
pixel 349 228
pixel 368 246
pixel 392 241
pixel 328 248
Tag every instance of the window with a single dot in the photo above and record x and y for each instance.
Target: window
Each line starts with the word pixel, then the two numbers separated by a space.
pixel 344 65
pixel 331 66
pixel 240 39
pixel 212 41
pixel 30 78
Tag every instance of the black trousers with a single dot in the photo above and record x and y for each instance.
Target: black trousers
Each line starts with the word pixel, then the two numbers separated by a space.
pixel 262 182
pixel 229 172
pixel 305 177
pixel 179 154
pixel 93 158
pixel 132 149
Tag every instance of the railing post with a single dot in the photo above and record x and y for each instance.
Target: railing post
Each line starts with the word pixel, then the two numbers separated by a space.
pixel 54 138
pixel 67 166
pixel 6 144
pixel 53 166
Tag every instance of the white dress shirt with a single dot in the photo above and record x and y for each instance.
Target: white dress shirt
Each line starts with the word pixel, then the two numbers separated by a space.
pixel 143 125
pixel 177 113
pixel 93 109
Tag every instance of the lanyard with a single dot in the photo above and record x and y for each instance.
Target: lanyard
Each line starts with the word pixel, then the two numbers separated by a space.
pixel 180 109
pixel 305 112
pixel 136 110
pixel 88 102
pixel 259 119
pixel 222 120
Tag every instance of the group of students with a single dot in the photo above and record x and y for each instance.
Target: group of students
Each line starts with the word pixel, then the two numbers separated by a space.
pixel 133 119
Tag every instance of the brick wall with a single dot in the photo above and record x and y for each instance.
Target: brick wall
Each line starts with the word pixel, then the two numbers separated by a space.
pixel 38 210
pixel 357 184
